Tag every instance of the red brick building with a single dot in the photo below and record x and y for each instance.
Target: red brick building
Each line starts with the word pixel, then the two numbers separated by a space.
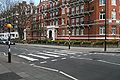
pixel 85 19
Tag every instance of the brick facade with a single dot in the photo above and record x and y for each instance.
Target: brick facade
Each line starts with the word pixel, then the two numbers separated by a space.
pixel 84 17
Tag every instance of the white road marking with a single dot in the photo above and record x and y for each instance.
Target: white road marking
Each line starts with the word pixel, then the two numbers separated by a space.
pixel 4 53
pixel 82 58
pixel 68 75
pixel 23 53
pixel 111 54
pixel 63 58
pixel 28 58
pixel 85 54
pixel 49 54
pixel 57 53
pixel 55 70
pixel 67 52
pixel 26 49
pixel 86 58
pixel 79 55
pixel 71 53
pixel 109 62
pixel 100 61
pixel 54 60
pixel 43 62
pixel 72 56
pixel 43 57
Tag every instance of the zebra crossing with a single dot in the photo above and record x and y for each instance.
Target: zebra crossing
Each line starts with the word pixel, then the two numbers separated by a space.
pixel 45 55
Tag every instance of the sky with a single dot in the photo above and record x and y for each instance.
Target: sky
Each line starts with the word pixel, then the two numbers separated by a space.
pixel 36 2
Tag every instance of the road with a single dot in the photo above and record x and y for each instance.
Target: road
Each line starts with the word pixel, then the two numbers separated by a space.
pixel 74 64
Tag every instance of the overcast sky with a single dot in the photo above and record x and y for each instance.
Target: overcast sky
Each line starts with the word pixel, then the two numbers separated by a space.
pixel 35 1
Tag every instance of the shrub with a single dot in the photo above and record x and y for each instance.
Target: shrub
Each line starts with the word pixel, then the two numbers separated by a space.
pixel 76 42
pixel 61 42
pixel 112 42
pixel 98 43
pixel 86 43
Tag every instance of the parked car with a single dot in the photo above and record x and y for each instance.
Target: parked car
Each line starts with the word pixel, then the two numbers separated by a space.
pixel 6 42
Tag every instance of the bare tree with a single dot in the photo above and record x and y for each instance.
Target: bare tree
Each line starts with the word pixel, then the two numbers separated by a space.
pixel 17 13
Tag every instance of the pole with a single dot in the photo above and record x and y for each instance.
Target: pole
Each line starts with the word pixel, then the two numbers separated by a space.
pixel 69 40
pixel 9 53
pixel 105 27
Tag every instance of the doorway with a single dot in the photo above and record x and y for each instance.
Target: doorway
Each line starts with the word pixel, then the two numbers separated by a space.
pixel 50 34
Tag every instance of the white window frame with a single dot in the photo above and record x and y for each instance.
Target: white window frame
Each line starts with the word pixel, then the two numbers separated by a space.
pixel 77 21
pixel 63 21
pixel 102 30
pixel 77 31
pixel 113 13
pixel 82 8
pixel 73 10
pixel 68 10
pixel 113 2
pixel 57 13
pixel 63 32
pixel 102 14
pixel 81 20
pixel 63 10
pixel 113 30
pixel 102 2
pixel 77 9
pixel 81 31
pixel 50 14
pixel 73 21
pixel 57 22
pixel 73 31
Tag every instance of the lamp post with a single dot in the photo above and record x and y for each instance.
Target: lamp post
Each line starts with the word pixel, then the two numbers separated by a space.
pixel 9 26
pixel 105 28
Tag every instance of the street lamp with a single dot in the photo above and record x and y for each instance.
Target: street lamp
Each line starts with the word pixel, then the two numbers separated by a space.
pixel 9 26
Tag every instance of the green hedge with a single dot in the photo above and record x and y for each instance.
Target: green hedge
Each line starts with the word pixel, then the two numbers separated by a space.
pixel 72 42
pixel 112 42
pixel 86 43
pixel 76 43
pixel 98 43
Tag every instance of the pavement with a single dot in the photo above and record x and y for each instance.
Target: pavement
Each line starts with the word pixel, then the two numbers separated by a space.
pixel 18 70
pixel 80 49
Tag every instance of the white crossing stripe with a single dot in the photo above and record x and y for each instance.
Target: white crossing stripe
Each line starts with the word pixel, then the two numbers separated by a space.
pixel 66 52
pixel 63 58
pixel 54 60
pixel 44 57
pixel 43 62
pixel 49 54
pixel 28 58
pixel 57 53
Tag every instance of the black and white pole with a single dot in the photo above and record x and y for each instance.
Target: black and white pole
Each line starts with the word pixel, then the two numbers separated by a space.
pixel 9 50
pixel 9 26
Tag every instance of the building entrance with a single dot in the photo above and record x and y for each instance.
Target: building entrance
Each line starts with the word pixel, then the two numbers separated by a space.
pixel 50 34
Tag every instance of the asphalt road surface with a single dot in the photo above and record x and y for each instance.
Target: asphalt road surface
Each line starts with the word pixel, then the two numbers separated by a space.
pixel 74 64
